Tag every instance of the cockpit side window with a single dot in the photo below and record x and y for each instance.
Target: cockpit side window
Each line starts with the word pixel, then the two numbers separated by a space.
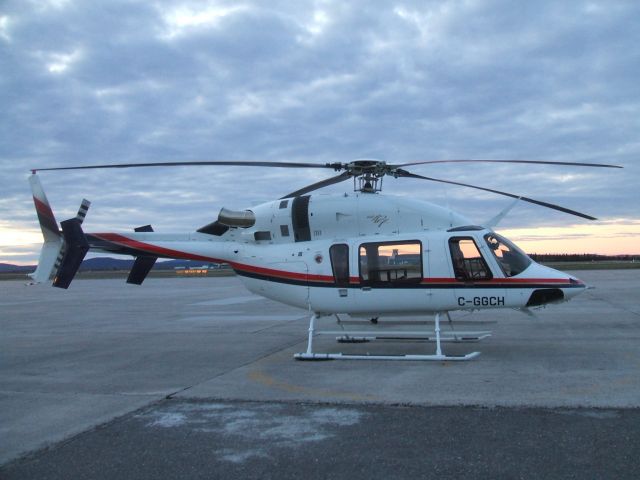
pixel 468 263
pixel 511 259
pixel 339 254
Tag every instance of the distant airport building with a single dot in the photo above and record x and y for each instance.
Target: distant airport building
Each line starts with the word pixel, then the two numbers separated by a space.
pixel 201 271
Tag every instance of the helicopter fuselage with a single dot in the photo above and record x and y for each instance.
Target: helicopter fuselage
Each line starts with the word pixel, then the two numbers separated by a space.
pixel 362 254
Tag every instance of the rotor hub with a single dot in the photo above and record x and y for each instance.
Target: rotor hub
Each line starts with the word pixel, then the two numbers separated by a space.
pixel 367 173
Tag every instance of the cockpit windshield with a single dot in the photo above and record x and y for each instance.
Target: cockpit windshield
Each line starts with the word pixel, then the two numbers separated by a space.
pixel 511 259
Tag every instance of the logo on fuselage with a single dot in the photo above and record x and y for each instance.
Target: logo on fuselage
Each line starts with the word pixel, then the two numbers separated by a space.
pixel 378 219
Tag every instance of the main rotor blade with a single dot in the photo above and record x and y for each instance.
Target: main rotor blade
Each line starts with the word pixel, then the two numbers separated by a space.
pixel 540 162
pixel 404 173
pixel 175 164
pixel 323 183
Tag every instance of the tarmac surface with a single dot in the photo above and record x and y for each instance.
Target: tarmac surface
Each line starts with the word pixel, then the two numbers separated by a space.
pixel 194 378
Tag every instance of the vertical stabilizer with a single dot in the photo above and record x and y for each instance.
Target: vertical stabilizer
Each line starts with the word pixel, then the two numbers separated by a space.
pixel 48 224
pixel 53 241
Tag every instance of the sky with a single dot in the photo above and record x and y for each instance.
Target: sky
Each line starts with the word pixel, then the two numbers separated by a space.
pixel 86 82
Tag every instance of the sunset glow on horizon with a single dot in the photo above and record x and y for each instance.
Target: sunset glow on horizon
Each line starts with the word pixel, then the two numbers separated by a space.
pixel 613 237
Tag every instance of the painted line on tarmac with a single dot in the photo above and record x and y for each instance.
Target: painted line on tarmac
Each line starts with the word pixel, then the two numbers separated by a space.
pixel 258 375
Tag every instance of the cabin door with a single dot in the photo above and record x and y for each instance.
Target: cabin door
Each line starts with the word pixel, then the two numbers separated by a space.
pixel 474 286
pixel 390 275
pixel 330 280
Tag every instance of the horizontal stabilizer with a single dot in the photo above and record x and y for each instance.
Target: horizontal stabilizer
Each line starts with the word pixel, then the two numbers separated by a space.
pixel 76 247
pixel 143 264
pixel 141 268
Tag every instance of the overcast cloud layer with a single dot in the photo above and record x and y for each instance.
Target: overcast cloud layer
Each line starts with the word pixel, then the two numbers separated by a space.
pixel 119 81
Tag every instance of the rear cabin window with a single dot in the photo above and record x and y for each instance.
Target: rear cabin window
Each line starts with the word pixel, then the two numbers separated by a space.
pixel 390 263
pixel 511 259
pixel 339 254
pixel 467 260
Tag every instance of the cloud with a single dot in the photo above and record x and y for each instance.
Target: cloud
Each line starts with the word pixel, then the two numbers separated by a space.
pixel 121 81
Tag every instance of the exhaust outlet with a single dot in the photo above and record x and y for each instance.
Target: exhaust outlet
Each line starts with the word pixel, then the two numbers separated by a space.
pixel 237 218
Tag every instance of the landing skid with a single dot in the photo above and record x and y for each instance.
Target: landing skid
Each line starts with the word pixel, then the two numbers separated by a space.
pixel 364 337
pixel 347 356
pixel 368 336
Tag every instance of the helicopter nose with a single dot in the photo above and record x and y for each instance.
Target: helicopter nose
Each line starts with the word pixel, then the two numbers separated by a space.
pixel 562 286
pixel 576 287
pixel 571 286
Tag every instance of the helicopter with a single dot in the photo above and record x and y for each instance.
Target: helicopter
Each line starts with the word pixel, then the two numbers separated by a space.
pixel 361 253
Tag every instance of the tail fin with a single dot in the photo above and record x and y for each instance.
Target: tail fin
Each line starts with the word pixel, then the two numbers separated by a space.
pixel 53 242
pixel 55 246
pixel 48 224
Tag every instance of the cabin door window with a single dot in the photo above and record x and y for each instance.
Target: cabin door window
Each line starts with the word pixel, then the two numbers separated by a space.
pixel 390 263
pixel 339 254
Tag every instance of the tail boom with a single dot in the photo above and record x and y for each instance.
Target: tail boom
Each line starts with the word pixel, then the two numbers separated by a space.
pixel 63 251
pixel 174 246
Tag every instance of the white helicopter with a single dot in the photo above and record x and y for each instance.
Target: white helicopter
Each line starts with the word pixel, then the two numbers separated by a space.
pixel 361 253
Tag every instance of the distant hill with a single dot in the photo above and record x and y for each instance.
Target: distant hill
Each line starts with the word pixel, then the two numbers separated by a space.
pixel 581 257
pixel 107 263
pixel 9 268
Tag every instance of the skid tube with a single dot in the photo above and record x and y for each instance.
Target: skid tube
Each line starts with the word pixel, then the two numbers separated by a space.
pixel 438 356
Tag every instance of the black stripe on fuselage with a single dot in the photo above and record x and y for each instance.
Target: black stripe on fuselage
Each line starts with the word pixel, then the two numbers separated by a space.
pixel 395 286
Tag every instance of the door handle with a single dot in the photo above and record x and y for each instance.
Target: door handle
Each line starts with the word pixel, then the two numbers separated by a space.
pixel 366 289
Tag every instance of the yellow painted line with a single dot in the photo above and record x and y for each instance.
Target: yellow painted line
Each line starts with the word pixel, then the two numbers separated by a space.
pixel 259 376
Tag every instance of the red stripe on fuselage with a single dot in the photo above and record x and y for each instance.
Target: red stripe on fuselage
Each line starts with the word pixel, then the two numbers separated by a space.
pixel 281 273
pixel 150 248
pixel 167 252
